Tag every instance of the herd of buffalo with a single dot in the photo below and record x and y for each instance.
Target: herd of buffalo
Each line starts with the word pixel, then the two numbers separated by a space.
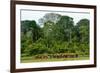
pixel 62 55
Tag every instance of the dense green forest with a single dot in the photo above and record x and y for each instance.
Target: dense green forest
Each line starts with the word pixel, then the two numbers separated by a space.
pixel 54 34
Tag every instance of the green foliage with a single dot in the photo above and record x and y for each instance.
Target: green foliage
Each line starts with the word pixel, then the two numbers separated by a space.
pixel 83 28
pixel 58 35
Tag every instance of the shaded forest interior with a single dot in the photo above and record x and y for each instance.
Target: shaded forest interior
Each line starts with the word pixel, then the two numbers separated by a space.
pixel 55 35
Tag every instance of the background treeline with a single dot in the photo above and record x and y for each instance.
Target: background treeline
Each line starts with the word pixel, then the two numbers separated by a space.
pixel 54 34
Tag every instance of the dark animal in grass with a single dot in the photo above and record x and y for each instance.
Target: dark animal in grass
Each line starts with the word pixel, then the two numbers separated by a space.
pixel 41 57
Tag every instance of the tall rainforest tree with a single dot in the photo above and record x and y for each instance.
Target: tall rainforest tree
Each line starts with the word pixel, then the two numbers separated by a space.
pixel 65 25
pixel 52 17
pixel 83 28
pixel 31 29
pixel 30 32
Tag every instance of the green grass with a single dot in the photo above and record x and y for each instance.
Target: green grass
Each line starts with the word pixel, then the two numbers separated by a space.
pixel 31 59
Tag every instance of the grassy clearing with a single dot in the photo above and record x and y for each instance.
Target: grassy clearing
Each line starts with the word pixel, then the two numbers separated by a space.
pixel 31 59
